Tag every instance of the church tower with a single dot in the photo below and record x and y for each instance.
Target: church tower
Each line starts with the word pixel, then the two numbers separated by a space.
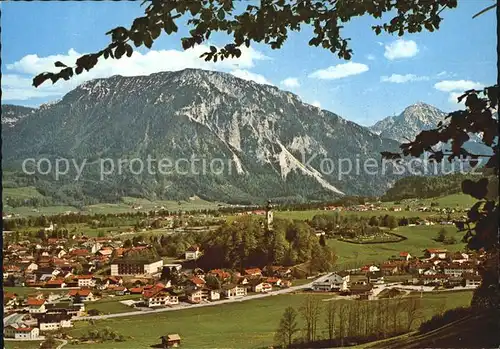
pixel 269 216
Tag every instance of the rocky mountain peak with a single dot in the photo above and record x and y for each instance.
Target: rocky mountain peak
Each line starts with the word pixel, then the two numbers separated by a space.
pixel 414 118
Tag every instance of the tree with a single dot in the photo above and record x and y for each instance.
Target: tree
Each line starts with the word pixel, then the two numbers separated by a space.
pixel 392 222
pixel 48 343
pixel 127 243
pixel 213 282
pixel 310 311
pixel 412 311
pixel 268 22
pixel 373 221
pixel 441 235
pixel 287 328
pixel 322 240
pixel 342 321
pixel 330 319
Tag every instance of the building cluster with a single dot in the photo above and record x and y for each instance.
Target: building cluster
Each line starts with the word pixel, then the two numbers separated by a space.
pixel 437 267
pixel 64 275
pixel 197 286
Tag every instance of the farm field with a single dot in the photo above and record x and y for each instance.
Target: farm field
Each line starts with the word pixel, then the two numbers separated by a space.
pixel 460 201
pixel 112 305
pixel 418 239
pixel 27 291
pixel 101 208
pixel 248 324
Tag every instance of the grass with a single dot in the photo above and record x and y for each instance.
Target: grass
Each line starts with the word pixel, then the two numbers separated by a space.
pixel 112 305
pixel 418 239
pixel 21 193
pixel 25 211
pixel 461 201
pixel 27 291
pixel 22 344
pixel 249 324
pixel 101 208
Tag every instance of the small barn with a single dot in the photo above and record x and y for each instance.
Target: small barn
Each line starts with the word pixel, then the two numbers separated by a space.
pixel 171 340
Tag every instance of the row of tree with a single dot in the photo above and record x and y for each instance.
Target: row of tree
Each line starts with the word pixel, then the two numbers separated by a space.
pixel 336 323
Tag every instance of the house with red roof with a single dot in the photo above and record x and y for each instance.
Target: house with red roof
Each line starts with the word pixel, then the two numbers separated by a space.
pixel 85 295
pixel 158 296
pixel 440 253
pixel 9 298
pixel 86 280
pixel 196 282
pixel 220 274
pixel 55 283
pixel 253 272
pixel 404 256
pixel 21 332
pixel 36 306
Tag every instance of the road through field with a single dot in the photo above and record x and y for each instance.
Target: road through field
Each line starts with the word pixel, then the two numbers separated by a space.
pixel 191 306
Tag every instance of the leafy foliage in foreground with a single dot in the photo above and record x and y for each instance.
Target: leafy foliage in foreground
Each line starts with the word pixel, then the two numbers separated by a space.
pixel 269 22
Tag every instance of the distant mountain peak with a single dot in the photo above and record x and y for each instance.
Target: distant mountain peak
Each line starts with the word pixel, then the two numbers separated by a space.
pixel 414 119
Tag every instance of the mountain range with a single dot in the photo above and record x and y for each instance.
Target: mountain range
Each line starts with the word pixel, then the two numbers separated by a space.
pixel 268 143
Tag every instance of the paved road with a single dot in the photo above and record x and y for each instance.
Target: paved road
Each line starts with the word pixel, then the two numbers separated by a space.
pixel 224 301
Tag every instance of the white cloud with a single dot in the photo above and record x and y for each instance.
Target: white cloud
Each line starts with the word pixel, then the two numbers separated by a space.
pixel 17 84
pixel 248 75
pixel 370 57
pixel 457 85
pixel 456 88
pixel 340 71
pixel 401 49
pixel 317 104
pixel 453 98
pixel 401 79
pixel 291 82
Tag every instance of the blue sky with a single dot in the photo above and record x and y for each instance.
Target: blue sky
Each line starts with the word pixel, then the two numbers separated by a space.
pixel 385 75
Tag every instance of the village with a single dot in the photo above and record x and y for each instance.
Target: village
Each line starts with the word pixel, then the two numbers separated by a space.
pixel 62 285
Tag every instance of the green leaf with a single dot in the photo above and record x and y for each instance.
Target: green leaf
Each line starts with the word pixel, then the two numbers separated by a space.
pixel 119 51
pixel 128 50
pixel 221 14
pixel 60 64
pixel 155 32
pixel 148 42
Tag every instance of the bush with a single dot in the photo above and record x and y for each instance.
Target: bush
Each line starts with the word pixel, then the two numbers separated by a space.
pixel 447 317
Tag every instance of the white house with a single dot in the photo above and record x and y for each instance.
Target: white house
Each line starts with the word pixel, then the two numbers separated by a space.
pixel 233 291
pixel 49 324
pixel 124 267
pixel 192 253
pixel 328 283
pixel 21 332
pixel 86 281
pixel 36 306
pixel 161 299
pixel 32 267
pixel 436 253
pixel 472 280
